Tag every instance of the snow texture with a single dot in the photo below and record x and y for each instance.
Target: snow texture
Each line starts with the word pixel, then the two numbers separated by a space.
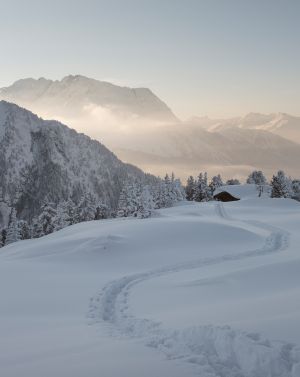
pixel 201 289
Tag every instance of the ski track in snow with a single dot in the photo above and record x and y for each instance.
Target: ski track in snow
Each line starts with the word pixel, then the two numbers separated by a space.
pixel 214 351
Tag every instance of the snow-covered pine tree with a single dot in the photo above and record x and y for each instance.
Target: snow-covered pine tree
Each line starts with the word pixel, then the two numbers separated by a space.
pixel 2 237
pixel 172 189
pixel 296 189
pixel 179 190
pixel 61 218
pixel 281 186
pixel 190 188
pixel 160 198
pixel 46 219
pixel 164 193
pixel 202 192
pixel 13 232
pixel 71 215
pixel 86 208
pixel 169 194
pixel 122 210
pixel 102 211
pixel 146 204
pixel 232 182
pixel 215 183
pixel 24 230
pixel 134 192
pixel 36 228
pixel 257 177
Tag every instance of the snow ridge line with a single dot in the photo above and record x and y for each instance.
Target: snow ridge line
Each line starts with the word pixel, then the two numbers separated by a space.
pixel 214 351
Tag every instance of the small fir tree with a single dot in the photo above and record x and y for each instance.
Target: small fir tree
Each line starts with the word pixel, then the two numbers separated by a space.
pixel 13 231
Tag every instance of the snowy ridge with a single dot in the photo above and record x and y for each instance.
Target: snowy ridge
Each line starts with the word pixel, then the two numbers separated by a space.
pixel 74 93
pixel 213 350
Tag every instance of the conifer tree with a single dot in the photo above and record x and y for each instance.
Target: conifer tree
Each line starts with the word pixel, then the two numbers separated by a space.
pixel 71 216
pixel 190 188
pixel 202 192
pixel 296 188
pixel 169 195
pixel 232 182
pixel 47 219
pixel 61 218
pixel 86 208
pixel 257 177
pixel 281 186
pixel 160 199
pixel 102 211
pixel 13 232
pixel 122 210
pixel 36 228
pixel 179 190
pixel 24 230
pixel 215 183
pixel 146 204
pixel 2 237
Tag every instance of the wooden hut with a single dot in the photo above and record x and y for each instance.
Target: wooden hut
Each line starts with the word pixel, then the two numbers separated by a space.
pixel 225 196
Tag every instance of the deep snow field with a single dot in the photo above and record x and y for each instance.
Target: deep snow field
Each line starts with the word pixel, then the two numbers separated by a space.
pixel 201 289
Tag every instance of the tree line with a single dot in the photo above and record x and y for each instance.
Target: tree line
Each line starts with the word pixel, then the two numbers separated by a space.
pixel 137 199
pixel 200 189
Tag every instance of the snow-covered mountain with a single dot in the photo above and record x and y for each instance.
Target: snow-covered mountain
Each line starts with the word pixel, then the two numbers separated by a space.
pixel 78 95
pixel 143 131
pixel 46 160
pixel 280 124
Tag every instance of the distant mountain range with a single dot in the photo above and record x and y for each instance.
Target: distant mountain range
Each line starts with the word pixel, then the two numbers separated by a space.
pixel 233 152
pixel 142 129
pixel 280 124
pixel 45 160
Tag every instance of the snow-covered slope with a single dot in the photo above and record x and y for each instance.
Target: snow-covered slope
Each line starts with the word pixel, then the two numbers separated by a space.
pixel 204 289
pixel 46 160
pixel 73 95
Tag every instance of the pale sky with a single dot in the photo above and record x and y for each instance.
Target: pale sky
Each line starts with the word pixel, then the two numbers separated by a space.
pixel 202 57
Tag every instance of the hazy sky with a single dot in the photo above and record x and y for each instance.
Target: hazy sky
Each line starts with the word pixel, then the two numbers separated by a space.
pixel 202 57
